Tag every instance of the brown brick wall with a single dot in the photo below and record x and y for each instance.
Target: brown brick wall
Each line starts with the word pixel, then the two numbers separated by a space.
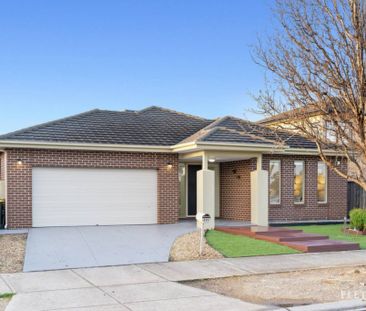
pixel 235 189
pixel 235 192
pixel 19 183
pixel 334 209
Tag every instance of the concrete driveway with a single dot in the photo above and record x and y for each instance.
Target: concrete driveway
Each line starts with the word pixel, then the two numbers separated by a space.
pixel 75 247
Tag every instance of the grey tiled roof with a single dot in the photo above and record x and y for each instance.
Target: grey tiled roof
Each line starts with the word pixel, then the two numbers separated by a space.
pixel 234 130
pixel 151 126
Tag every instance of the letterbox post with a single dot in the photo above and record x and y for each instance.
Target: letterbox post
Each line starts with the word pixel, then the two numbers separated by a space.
pixel 204 220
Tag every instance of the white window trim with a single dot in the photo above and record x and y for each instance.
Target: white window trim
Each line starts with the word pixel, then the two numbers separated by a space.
pixel 279 190
pixel 326 183
pixel 303 182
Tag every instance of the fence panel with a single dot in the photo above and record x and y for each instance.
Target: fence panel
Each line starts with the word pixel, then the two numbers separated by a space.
pixel 356 196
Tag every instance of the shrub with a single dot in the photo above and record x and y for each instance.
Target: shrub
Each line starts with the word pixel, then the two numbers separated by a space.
pixel 358 219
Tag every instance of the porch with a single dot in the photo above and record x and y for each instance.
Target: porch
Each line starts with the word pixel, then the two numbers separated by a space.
pixel 227 185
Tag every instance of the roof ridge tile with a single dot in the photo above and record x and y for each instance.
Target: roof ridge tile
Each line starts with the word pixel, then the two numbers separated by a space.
pixel 172 111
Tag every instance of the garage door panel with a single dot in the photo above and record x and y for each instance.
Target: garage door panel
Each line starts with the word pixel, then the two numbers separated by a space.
pixel 70 196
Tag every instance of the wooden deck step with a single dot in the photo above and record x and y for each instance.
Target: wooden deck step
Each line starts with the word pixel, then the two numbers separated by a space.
pixel 322 246
pixel 294 238
pixel 256 230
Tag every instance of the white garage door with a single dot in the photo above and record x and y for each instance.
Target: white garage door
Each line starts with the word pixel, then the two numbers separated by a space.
pixel 78 196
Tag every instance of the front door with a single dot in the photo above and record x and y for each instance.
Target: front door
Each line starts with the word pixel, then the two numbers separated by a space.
pixel 192 189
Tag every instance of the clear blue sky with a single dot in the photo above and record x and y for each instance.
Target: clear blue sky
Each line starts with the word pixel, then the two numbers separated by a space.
pixel 58 58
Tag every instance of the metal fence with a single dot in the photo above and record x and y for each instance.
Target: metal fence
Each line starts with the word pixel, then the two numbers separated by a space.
pixel 356 196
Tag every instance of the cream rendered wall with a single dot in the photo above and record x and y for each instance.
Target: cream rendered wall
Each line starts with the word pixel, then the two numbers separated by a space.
pixel 183 188
pixel 2 189
pixel 216 168
pixel 259 197
pixel 206 195
pixel 289 125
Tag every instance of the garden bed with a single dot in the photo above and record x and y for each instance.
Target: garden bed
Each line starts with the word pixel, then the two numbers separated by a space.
pixel 354 231
pixel 291 288
pixel 186 247
pixel 12 249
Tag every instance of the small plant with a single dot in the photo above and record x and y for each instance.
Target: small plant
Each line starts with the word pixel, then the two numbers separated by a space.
pixel 358 219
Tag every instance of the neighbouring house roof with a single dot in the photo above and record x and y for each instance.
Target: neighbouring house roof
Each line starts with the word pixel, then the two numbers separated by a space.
pixel 289 115
pixel 154 126
pixel 306 111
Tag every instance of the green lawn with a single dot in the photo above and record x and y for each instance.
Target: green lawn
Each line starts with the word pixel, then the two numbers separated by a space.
pixel 231 245
pixel 334 232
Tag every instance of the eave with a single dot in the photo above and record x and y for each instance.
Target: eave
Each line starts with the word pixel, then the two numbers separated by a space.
pixel 179 148
pixel 7 144
pixel 257 148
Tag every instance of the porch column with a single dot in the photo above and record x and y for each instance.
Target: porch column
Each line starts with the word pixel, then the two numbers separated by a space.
pixel 206 191
pixel 259 195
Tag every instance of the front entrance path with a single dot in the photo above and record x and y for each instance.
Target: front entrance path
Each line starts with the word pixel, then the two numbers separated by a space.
pixel 91 246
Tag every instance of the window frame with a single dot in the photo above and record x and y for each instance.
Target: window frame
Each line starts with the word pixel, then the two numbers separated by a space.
pixel 326 183
pixel 329 132
pixel 279 184
pixel 303 182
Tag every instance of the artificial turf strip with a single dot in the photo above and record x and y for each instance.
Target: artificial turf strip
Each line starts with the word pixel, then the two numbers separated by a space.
pixel 231 245
pixel 6 295
pixel 334 232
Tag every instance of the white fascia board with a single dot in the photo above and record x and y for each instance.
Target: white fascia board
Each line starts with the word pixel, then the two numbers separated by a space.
pixel 196 146
pixel 304 151
pixel 187 147
pixel 239 147
pixel 82 146
pixel 261 148
pixel 180 148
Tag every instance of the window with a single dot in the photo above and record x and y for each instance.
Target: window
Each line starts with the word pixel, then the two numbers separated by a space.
pixel 322 182
pixel 274 181
pixel 299 182
pixel 330 132
pixel 337 133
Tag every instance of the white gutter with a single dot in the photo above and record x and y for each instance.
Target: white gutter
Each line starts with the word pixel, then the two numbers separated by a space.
pixel 264 148
pixel 304 151
pixel 81 146
pixel 187 147
pixel 179 148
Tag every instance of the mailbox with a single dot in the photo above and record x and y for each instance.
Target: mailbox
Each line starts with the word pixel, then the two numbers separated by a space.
pixel 202 216
pixel 203 219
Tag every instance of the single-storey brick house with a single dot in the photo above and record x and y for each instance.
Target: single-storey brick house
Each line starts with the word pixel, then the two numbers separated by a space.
pixel 156 166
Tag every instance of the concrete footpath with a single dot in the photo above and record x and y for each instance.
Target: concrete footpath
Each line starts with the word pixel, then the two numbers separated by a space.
pixel 154 286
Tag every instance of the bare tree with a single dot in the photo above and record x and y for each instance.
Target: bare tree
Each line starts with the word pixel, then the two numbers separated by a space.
pixel 317 66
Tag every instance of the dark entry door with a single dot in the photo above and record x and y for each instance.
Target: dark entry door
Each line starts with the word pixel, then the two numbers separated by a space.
pixel 192 189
